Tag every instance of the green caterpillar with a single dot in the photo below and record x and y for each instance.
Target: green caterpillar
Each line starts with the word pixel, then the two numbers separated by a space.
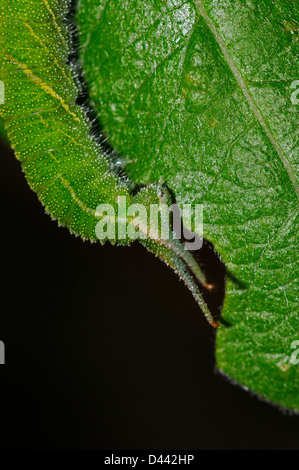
pixel 49 132
pixel 52 136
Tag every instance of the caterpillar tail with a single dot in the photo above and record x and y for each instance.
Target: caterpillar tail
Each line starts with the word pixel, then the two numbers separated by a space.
pixel 172 251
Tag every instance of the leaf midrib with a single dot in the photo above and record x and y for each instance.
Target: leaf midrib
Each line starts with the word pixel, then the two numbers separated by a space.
pixel 242 84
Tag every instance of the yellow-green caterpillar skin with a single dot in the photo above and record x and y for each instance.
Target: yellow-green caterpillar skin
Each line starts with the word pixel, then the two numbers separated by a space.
pixel 49 132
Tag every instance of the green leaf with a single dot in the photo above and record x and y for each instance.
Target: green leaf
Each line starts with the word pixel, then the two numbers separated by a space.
pixel 197 97
pixel 200 94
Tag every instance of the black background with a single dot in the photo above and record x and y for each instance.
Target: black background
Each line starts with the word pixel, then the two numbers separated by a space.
pixel 106 349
